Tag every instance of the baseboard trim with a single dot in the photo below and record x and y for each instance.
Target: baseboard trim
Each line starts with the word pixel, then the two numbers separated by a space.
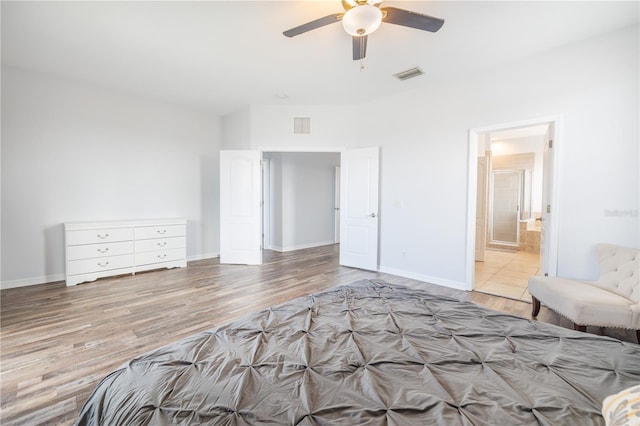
pixel 203 256
pixel 301 246
pixel 426 278
pixel 25 282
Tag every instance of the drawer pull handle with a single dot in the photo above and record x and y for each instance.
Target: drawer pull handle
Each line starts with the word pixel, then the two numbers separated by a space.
pixel 162 244
pixel 161 231
pixel 102 265
pixel 102 236
pixel 103 250
pixel 162 256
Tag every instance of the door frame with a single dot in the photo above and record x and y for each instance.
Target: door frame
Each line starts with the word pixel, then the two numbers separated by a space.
pixel 336 214
pixel 472 188
pixel 266 202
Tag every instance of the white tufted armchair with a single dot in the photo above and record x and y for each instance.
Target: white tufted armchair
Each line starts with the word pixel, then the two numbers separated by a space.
pixel 612 301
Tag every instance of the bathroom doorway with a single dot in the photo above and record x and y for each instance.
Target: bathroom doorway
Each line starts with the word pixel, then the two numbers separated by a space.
pixel 509 181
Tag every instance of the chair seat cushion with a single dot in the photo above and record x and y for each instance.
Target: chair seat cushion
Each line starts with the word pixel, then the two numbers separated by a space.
pixel 583 303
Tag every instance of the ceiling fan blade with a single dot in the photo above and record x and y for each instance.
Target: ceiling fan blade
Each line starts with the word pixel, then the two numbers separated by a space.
pixel 359 47
pixel 320 22
pixel 407 18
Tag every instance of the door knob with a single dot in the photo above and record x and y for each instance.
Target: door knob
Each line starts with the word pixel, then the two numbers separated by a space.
pixel 372 215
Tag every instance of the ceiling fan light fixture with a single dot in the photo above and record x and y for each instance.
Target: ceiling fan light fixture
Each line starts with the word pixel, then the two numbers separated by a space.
pixel 362 20
pixel 348 4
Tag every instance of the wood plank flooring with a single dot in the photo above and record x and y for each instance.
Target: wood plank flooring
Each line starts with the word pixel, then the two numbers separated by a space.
pixel 57 342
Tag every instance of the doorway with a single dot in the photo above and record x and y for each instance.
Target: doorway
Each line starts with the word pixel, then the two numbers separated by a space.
pixel 299 199
pixel 507 177
pixel 242 215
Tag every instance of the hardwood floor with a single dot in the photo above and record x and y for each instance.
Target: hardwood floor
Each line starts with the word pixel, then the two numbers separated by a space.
pixel 58 342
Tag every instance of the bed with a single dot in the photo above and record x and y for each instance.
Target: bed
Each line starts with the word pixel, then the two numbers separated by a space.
pixel 371 353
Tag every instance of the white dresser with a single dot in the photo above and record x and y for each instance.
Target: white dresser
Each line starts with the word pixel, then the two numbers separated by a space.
pixel 100 249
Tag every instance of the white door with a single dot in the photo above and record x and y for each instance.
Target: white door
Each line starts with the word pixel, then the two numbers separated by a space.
pixel 481 210
pixel 547 208
pixel 337 205
pixel 240 209
pixel 359 208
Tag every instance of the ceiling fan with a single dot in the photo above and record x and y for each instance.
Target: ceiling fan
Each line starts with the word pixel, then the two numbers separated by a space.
pixel 362 17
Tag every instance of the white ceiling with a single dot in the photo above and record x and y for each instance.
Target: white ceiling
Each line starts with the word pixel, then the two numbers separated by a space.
pixel 224 55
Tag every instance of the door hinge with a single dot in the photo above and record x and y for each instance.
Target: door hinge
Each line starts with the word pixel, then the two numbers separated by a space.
pixel 550 144
pixel 548 206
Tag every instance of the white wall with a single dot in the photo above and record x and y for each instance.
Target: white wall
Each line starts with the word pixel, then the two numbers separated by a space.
pixel 236 129
pixel 73 152
pixel 592 85
pixel 303 199
pixel 423 135
pixel 332 128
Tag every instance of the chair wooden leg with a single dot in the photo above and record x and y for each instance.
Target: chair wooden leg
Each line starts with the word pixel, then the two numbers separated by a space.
pixel 535 309
pixel 582 328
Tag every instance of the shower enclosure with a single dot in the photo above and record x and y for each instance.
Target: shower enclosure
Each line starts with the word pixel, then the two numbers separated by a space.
pixel 509 203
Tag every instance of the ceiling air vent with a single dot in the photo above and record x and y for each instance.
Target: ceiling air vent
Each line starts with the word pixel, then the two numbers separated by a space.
pixel 301 125
pixel 405 75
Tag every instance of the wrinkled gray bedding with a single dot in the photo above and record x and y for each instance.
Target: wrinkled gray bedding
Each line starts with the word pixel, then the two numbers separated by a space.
pixel 371 353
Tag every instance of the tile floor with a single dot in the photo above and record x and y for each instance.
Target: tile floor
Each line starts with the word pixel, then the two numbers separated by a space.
pixel 506 274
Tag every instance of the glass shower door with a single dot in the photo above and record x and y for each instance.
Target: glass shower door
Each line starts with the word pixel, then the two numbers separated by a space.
pixel 504 215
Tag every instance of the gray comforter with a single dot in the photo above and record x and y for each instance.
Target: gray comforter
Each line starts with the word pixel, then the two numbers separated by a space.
pixel 371 353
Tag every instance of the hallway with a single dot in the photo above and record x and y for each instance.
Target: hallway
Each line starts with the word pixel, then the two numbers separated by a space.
pixel 506 274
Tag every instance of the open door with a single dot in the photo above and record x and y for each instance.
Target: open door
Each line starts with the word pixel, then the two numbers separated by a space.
pixel 359 208
pixel 336 208
pixel 547 208
pixel 481 208
pixel 240 207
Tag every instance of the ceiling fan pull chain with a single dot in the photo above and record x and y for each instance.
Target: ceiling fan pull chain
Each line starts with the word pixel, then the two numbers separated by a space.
pixel 361 64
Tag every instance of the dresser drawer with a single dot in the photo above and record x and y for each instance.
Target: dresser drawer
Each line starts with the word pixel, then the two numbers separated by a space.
pixel 93 236
pixel 84 266
pixel 159 256
pixel 148 232
pixel 88 251
pixel 160 244
pixel 102 249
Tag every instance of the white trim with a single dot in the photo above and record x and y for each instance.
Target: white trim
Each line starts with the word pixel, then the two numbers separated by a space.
pixel 203 256
pixel 266 203
pixel 425 278
pixel 517 124
pixel 472 195
pixel 25 282
pixel 554 232
pixel 302 246
pixel 300 149
pixel 472 190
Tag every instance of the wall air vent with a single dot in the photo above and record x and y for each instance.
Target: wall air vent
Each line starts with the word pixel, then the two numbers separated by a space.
pixel 405 75
pixel 301 125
